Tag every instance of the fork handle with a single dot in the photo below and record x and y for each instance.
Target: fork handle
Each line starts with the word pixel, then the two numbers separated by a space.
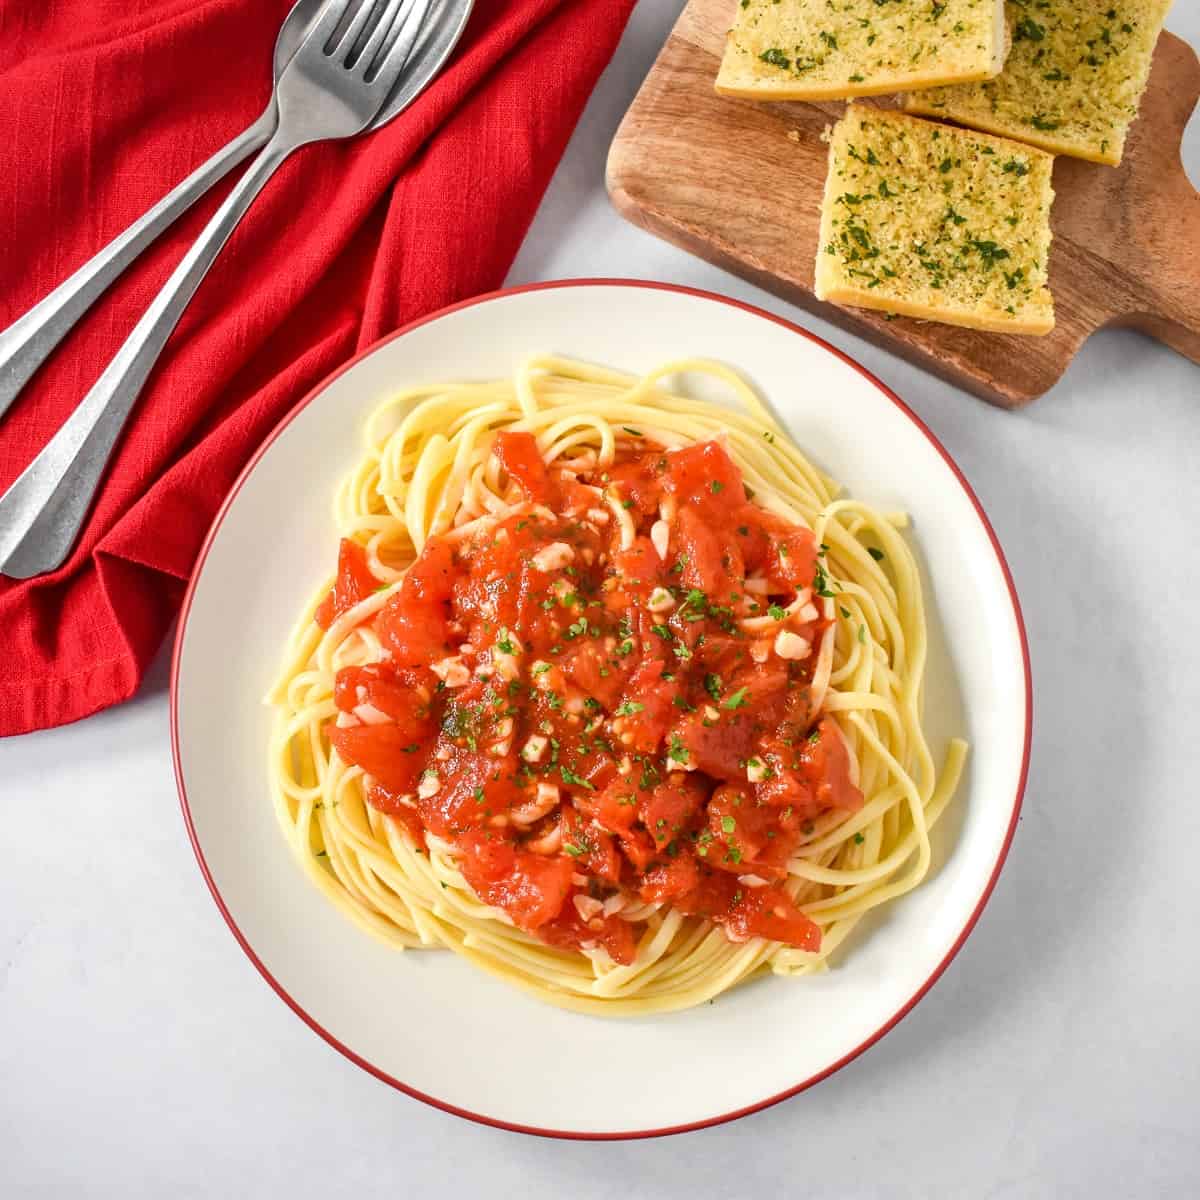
pixel 44 509
pixel 28 341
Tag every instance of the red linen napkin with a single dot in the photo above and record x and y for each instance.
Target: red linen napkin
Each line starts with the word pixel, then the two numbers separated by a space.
pixel 104 105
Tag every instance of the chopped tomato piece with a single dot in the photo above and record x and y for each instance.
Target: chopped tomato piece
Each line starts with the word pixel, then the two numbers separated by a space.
pixel 612 934
pixel 749 705
pixel 614 808
pixel 708 562
pixel 413 623
pixel 671 878
pixel 792 557
pixel 598 768
pixel 519 456
pixel 825 763
pixel 591 848
pixel 638 846
pixel 353 585
pixel 648 707
pixel 387 752
pixel 531 888
pixel 748 836
pixel 705 477
pixel 748 523
pixel 783 786
pixel 712 895
pixel 472 788
pixel 574 498
pixel 723 657
pixel 639 569
pixel 400 694
pixel 590 669
pixel 640 482
pixel 786 552
pixel 768 912
pixel 668 811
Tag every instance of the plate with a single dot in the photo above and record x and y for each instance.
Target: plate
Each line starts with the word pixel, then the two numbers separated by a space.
pixel 429 1023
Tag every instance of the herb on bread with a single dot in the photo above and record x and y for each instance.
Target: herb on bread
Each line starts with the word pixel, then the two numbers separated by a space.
pixel 1072 82
pixel 931 221
pixel 818 49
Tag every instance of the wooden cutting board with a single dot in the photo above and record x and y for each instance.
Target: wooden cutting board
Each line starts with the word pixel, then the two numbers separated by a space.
pixel 740 184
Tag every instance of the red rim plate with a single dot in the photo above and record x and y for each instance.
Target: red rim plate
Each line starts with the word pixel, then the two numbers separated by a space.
pixel 803 1084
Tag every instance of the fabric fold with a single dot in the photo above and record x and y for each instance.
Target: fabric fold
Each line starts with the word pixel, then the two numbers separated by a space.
pixel 101 113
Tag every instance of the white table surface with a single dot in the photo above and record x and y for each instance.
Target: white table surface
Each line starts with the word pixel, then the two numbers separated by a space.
pixel 1059 1056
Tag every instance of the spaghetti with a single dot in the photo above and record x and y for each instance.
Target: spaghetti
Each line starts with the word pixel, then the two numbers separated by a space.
pixel 613 694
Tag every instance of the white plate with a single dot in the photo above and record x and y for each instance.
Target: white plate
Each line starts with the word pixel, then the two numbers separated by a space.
pixel 429 1023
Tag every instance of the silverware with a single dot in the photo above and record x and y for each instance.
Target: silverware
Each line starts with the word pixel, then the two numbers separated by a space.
pixel 29 340
pixel 336 85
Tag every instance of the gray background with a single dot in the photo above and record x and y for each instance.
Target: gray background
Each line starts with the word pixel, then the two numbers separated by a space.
pixel 142 1055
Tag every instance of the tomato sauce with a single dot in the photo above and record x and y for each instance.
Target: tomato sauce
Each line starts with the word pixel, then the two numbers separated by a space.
pixel 602 698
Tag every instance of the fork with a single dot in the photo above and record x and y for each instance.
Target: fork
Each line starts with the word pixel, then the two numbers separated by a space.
pixel 333 87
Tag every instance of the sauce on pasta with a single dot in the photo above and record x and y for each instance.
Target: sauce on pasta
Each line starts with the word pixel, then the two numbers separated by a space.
pixel 603 699
pixel 614 694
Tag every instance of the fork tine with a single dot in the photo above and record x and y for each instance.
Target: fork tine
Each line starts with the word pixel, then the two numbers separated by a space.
pixel 355 31
pixel 322 29
pixel 396 10
pixel 397 54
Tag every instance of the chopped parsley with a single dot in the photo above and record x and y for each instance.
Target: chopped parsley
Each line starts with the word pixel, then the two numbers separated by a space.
pixel 570 777
pixel 989 251
pixel 737 700
pixel 1028 30
pixel 821 582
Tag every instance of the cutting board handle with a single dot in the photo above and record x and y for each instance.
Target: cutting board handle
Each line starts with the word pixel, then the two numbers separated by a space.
pixel 1172 283
pixel 1146 213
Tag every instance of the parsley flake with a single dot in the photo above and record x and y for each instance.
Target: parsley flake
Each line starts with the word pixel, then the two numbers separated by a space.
pixel 570 777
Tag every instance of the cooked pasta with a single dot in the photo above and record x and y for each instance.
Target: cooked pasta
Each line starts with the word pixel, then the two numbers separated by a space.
pixel 614 694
